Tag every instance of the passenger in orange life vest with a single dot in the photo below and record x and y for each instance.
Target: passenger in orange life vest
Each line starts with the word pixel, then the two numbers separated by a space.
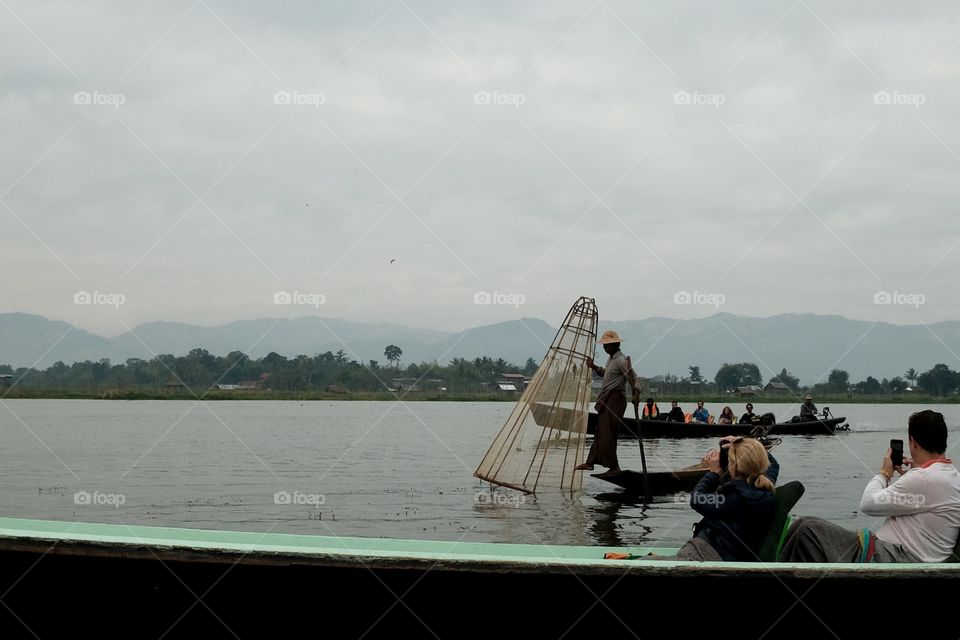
pixel 650 410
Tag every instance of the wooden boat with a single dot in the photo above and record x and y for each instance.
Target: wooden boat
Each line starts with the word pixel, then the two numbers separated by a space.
pixel 661 482
pixel 666 482
pixel 73 579
pixel 665 429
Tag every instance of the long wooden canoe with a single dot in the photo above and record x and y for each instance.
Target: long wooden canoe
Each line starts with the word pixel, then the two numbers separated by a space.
pixel 661 482
pixel 74 579
pixel 665 429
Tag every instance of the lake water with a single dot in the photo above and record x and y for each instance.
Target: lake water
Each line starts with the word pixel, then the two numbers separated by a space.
pixel 372 469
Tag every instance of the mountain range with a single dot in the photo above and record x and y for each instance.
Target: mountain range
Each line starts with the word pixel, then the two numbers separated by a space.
pixel 808 345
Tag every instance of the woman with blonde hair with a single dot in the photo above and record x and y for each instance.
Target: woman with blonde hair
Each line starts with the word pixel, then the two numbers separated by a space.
pixel 737 507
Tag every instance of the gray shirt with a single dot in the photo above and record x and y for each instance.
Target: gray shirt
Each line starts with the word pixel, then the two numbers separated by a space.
pixel 615 375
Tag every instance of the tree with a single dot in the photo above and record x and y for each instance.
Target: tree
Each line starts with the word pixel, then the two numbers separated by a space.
pixel 870 386
pixel 530 367
pixel 731 376
pixel 838 380
pixel 911 376
pixel 940 380
pixel 392 354
pixel 784 377
pixel 695 374
pixel 897 384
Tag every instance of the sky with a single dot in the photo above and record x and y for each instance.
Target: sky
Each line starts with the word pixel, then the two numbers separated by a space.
pixel 443 165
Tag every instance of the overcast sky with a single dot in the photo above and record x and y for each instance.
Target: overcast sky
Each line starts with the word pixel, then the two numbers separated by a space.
pixel 196 159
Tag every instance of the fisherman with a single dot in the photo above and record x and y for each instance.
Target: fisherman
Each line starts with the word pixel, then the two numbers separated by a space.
pixel 808 410
pixel 611 404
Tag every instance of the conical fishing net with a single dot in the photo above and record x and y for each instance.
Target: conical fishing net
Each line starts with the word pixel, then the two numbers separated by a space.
pixel 543 439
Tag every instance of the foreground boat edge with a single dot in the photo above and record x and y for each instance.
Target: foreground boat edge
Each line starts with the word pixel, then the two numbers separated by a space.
pixel 217 546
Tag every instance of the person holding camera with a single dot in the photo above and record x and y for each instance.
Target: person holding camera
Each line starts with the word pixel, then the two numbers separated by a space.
pixel 737 506
pixel 618 378
pixel 921 507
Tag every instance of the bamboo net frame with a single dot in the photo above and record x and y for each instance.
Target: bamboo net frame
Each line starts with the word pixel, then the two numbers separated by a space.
pixel 543 439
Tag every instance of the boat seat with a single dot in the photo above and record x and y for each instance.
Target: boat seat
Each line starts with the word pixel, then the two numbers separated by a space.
pixel 785 497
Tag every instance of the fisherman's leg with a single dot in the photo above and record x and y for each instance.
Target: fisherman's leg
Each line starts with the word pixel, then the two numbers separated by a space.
pixel 592 456
pixel 816 540
pixel 613 409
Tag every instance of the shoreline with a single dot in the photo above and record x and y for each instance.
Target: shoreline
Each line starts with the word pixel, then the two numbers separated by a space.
pixel 434 396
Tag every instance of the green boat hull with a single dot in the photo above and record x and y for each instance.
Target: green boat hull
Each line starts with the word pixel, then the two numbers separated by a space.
pixel 60 578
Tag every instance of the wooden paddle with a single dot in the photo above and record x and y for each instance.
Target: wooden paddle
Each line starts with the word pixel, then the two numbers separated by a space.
pixel 636 412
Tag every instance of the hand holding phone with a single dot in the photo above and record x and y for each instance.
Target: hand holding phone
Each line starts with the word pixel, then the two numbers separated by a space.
pixel 896 452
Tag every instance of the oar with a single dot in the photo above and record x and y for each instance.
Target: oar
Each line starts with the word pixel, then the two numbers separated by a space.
pixel 643 458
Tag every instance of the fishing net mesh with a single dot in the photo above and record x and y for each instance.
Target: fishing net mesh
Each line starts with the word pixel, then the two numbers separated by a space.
pixel 543 439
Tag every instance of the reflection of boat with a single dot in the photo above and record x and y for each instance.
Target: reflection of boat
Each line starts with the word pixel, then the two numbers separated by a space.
pixel 665 429
pixel 232 584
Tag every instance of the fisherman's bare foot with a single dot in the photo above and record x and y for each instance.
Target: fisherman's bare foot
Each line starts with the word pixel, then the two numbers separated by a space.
pixel 583 467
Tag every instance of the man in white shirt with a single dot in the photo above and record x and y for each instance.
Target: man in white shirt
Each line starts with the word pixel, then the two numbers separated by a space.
pixel 921 509
pixel 618 377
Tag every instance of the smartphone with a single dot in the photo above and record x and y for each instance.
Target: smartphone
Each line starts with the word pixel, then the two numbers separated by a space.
pixel 896 454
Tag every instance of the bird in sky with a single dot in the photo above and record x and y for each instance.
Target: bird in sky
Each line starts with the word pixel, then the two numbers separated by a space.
pixel 392 261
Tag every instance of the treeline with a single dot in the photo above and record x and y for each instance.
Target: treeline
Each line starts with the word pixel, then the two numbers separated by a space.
pixel 940 380
pixel 200 370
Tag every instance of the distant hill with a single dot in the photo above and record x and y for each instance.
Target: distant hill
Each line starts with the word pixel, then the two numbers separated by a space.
pixel 808 345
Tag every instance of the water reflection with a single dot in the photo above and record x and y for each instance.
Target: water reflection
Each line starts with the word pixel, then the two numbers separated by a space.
pixel 612 513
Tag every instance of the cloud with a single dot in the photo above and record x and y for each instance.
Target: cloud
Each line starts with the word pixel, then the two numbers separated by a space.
pixel 781 183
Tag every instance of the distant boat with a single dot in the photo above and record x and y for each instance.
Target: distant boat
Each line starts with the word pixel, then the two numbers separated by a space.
pixel 665 429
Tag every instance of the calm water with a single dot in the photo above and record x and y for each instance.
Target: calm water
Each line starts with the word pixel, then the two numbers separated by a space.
pixel 371 469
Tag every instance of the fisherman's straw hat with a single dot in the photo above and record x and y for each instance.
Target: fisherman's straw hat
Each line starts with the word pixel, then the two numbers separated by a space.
pixel 610 336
